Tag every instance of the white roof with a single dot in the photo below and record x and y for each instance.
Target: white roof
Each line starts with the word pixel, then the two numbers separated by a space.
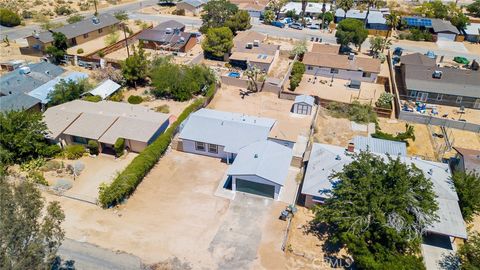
pixel 105 89
pixel 311 7
pixel 374 145
pixel 352 13
pixel 305 99
pixel 42 91
pixel 473 29
pixel 326 159
pixel 376 17
pixel 231 130
pixel 266 159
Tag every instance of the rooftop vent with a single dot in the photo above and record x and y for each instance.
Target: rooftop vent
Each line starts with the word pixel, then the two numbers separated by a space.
pixel 255 156
pixel 168 30
pixel 182 39
pixel 249 45
pixel 337 157
pixel 24 70
pixel 256 43
pixel 95 20
pixel 437 74
pixel 351 147
pixel 47 72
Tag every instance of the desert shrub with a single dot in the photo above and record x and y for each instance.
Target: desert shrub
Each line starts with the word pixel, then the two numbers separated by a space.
pixel 27 14
pixel 9 18
pixel 360 113
pixel 385 101
pixel 74 151
pixel 400 137
pixel 75 18
pixel 32 165
pixel 135 99
pixel 296 76
pixel 163 109
pixel 119 146
pixel 64 10
pixel 92 98
pixel 117 97
pixel 51 165
pixel 80 51
pixel 92 147
pixel 112 38
pixel 101 54
pixel 37 178
pixel 179 12
pixel 127 181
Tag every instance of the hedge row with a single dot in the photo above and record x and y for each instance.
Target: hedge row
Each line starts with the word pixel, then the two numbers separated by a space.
pixel 296 75
pixel 127 181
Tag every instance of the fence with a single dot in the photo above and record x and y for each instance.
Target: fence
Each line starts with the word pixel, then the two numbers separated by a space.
pixel 436 121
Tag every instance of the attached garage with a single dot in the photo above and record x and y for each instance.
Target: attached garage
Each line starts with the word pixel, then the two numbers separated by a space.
pixel 256 188
pixel 446 37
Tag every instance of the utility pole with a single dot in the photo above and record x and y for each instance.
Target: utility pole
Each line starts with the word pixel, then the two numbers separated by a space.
pixel 126 40
pixel 96 10
pixel 323 14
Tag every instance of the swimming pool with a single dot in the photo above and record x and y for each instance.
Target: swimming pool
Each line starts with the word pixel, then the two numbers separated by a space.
pixel 234 74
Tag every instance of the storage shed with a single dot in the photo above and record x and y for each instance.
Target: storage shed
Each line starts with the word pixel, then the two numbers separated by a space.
pixel 303 104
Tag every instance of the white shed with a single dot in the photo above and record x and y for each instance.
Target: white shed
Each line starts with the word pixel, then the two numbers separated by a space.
pixel 303 104
pixel 105 89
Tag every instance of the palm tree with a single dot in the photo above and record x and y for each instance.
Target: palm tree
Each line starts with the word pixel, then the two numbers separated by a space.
pixel 304 7
pixel 393 19
pixel 370 3
pixel 346 5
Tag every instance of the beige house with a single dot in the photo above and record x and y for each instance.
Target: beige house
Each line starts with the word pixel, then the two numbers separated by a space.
pixel 193 7
pixel 79 121
pixel 76 33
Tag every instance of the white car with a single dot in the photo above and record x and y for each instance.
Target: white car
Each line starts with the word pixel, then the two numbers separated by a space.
pixel 313 26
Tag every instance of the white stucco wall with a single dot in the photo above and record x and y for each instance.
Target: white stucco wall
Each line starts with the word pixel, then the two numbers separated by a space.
pixel 135 146
pixel 256 179
pixel 342 74
pixel 189 146
pixel 288 144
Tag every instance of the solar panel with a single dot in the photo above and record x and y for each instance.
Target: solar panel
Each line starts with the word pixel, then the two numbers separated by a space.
pixel 418 22
pixel 264 56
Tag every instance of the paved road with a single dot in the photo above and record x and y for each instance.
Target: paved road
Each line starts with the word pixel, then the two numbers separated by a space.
pixel 88 256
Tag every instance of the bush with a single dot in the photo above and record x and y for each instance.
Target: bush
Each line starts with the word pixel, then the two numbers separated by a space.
pixel 92 147
pixel 298 69
pixel 163 109
pixel 117 97
pixel 385 101
pixel 64 10
pixel 127 181
pixel 179 12
pixel 112 38
pixel 37 178
pixel 119 146
pixel 75 18
pixel 74 151
pixel 92 98
pixel 51 165
pixel 80 51
pixel 9 18
pixel 135 99
pixel 360 113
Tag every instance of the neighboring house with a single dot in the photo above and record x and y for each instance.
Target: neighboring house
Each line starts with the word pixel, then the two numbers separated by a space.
pixel 42 91
pixel 375 145
pixel 261 168
pixel 254 7
pixel 78 121
pixel 11 65
pixel 444 30
pixel 312 9
pixel 168 39
pixel 375 21
pixel 170 24
pixel 347 67
pixel 193 7
pixel 351 14
pixel 249 49
pixel 466 160
pixel 303 104
pixel 105 89
pixel 440 85
pixel 19 102
pixel 417 59
pixel 472 32
pixel 76 33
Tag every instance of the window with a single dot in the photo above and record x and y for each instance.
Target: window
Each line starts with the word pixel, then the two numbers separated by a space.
pixel 212 148
pixel 334 71
pixel 366 74
pixel 459 100
pixel 100 30
pixel 302 109
pixel 200 146
pixel 79 140
pixel 85 35
pixel 309 67
pixel 439 97
pixel 413 94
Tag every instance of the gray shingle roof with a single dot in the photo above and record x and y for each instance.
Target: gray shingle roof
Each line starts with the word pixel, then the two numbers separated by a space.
pixel 440 25
pixel 17 102
pixel 380 146
pixel 417 59
pixel 265 159
pixel 173 24
pixel 80 28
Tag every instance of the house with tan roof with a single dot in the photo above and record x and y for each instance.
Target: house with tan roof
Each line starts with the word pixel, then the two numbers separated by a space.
pixel 255 8
pixel 79 121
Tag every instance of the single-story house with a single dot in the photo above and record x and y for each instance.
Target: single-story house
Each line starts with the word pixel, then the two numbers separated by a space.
pixel 466 160
pixel 193 7
pixel 444 30
pixel 19 102
pixel 222 134
pixel 375 145
pixel 76 33
pixel 255 8
pixel 351 14
pixel 168 36
pixel 376 18
pixel 170 24
pixel 472 32
pixel 312 9
pixel 42 91
pixel 441 85
pixel 249 49
pixel 78 121
pixel 261 168
pixel 347 67
pixel 303 104
pixel 105 89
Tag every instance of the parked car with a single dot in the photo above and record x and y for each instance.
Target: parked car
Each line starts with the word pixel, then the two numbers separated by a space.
pixel 287 20
pixel 278 24
pixel 313 26
pixel 296 26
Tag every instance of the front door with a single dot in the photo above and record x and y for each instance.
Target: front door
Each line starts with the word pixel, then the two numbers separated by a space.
pixel 74 42
pixel 477 104
pixel 421 96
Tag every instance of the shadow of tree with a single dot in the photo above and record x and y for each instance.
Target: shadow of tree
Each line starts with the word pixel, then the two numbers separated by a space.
pixel 450 262
pixel 59 264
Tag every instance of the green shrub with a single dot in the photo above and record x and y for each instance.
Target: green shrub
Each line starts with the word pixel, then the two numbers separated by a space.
pixel 9 18
pixel 37 178
pixel 126 182
pixel 92 147
pixel 385 101
pixel 92 98
pixel 80 51
pixel 74 151
pixel 51 165
pixel 101 54
pixel 163 109
pixel 360 113
pixel 135 99
pixel 64 10
pixel 296 75
pixel 119 146
pixel 117 97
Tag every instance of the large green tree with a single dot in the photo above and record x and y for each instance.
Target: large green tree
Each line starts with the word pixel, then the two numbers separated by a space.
pixel 135 67
pixel 65 91
pixel 467 186
pixel 474 8
pixel 240 21
pixel 22 137
pixel 351 31
pixel 218 41
pixel 276 6
pixel 216 13
pixel 9 18
pixel 449 11
pixel 58 48
pixel 29 234
pixel 378 210
pixel 469 253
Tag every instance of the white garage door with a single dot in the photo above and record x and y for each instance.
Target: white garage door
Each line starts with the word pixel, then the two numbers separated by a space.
pixel 447 37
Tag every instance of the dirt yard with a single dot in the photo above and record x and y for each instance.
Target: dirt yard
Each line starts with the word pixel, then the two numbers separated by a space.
pixel 12 52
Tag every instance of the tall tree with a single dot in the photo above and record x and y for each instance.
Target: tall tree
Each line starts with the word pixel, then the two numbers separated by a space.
pixel 474 8
pixel 29 239
pixel 467 186
pixel 268 16
pixel 135 67
pixel 240 21
pixel 276 6
pixel 218 41
pixel 379 44
pixel 58 48
pixel 370 4
pixel 346 5
pixel 378 210
pixel 216 13
pixel 469 253
pixel 65 91
pixel 351 31
pixel 393 20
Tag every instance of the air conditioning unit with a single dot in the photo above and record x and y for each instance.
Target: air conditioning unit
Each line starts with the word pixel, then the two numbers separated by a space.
pixel 437 74
pixel 249 45
pixel 24 70
pixel 95 20
pixel 256 43
pixel 351 56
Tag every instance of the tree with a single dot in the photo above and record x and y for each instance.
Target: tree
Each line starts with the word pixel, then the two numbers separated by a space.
pixel 135 67
pixel 450 12
pixel 240 21
pixel 75 18
pixel 328 17
pixel 458 19
pixel 218 41
pixel 346 5
pixel 351 31
pixel 468 188
pixel 216 13
pixel 59 47
pixel 378 210
pixel 300 48
pixel 9 18
pixel 252 74
pixel 29 237
pixel 379 44
pixel 370 3
pixel 22 137
pixel 474 8
pixel 469 253
pixel 393 20
pixel 121 15
pixel 275 6
pixel 65 91
pixel 268 17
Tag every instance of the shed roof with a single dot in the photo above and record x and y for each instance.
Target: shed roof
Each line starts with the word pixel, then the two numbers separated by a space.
pixel 105 89
pixel 342 62
pixel 266 159
pixel 380 146
pixel 16 102
pixel 471 159
pixel 305 99
pixel 327 159
pixel 231 130
pixel 473 29
pixel 42 91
